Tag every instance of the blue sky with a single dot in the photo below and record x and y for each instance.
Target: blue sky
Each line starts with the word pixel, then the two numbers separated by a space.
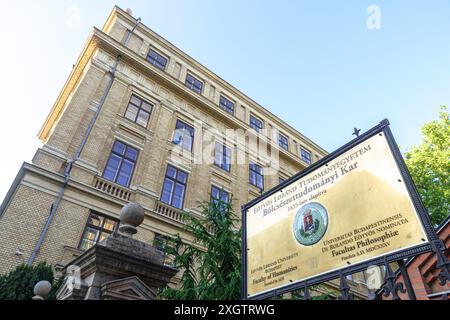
pixel 315 63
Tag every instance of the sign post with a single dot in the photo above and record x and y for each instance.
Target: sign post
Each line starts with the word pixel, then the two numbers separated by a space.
pixel 354 208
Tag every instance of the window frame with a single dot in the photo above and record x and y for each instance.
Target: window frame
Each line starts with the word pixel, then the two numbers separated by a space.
pixel 252 121
pixel 142 100
pixel 225 107
pixel 280 136
pixel 256 175
pixel 192 86
pixel 174 181
pixel 123 157
pixel 155 62
pixel 181 145
pixel 303 152
pixel 163 243
pixel 220 192
pixel 224 166
pixel 101 229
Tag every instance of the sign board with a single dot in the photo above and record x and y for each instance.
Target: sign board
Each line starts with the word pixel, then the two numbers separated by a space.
pixel 353 207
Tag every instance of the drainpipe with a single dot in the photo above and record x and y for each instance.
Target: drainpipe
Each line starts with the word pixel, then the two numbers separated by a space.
pixel 130 32
pixel 68 168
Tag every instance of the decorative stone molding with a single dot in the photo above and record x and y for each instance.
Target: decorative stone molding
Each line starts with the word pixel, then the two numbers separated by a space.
pixel 131 288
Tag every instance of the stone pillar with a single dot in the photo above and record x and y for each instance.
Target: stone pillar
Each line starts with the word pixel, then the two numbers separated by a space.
pixel 119 267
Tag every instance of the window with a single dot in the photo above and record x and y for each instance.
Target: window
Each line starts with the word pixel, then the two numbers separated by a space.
pixel 138 111
pixel 305 155
pixel 219 196
pixel 194 84
pixel 160 242
pixel 283 141
pixel 226 105
pixel 97 228
pixel 256 124
pixel 121 163
pixel 156 59
pixel 174 187
pixel 256 176
pixel 222 157
pixel 184 135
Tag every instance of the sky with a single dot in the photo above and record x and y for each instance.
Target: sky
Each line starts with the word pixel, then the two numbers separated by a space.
pixel 322 66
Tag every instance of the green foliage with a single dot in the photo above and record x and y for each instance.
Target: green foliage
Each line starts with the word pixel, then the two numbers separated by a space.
pixel 184 259
pixel 323 296
pixel 429 165
pixel 212 263
pixel 314 292
pixel 57 283
pixel 19 283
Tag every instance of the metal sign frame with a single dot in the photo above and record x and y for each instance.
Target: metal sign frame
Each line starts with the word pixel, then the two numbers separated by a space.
pixel 428 245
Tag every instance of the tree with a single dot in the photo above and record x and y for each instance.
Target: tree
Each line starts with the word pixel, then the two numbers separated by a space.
pixel 212 263
pixel 19 283
pixel 429 165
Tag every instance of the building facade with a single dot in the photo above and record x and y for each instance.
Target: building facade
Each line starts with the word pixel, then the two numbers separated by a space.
pixel 139 120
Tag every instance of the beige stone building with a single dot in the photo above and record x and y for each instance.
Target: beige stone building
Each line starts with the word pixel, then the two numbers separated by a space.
pixel 139 120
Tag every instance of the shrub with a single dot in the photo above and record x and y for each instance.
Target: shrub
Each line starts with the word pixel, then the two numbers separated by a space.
pixel 19 283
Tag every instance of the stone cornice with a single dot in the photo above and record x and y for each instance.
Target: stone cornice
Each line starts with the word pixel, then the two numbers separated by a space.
pixel 150 34
pixel 134 60
pixel 71 83
pixel 100 40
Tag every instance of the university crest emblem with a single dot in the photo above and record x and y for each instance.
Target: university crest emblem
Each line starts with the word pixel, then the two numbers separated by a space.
pixel 310 223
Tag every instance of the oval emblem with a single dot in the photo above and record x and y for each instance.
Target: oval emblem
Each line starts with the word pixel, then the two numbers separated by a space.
pixel 310 224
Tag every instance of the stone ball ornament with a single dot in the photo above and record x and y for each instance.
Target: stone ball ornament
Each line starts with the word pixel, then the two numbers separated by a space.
pixel 131 216
pixel 41 290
